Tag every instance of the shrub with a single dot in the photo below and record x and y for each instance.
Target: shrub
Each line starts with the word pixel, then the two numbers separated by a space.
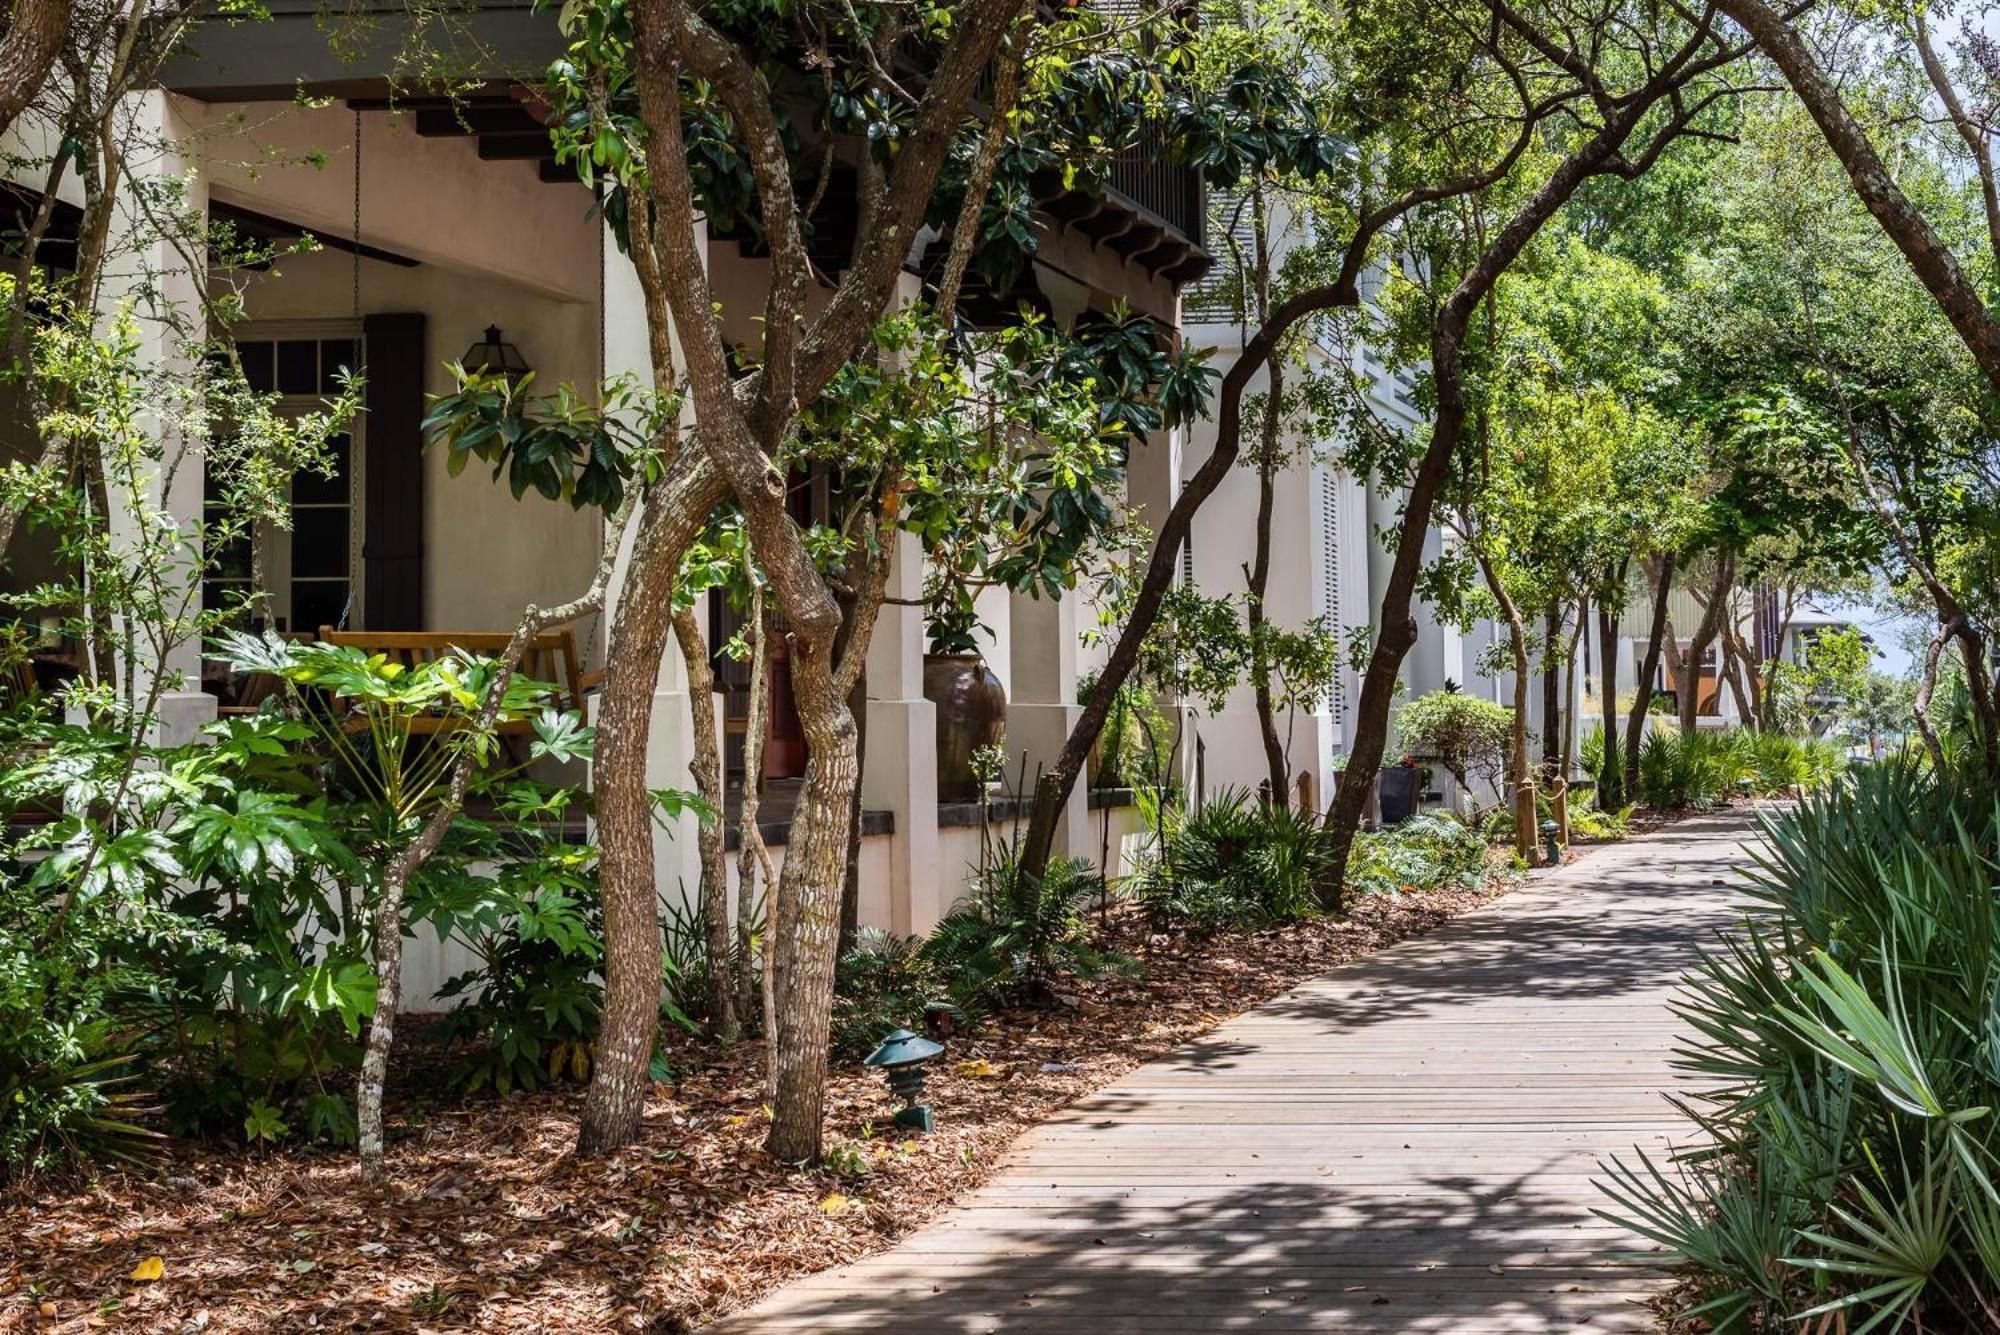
pixel 1017 936
pixel 884 982
pixel 530 1006
pixel 1702 769
pixel 1469 736
pixel 1848 1058
pixel 67 1068
pixel 1433 851
pixel 1234 863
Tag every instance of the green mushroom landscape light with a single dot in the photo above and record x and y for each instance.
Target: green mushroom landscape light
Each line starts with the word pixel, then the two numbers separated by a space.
pixel 902 1057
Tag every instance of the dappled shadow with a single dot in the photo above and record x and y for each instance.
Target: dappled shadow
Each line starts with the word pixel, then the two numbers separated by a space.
pixel 1630 919
pixel 1329 1179
pixel 1440 1253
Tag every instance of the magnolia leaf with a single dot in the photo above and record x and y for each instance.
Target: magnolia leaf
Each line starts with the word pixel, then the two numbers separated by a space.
pixel 149 1270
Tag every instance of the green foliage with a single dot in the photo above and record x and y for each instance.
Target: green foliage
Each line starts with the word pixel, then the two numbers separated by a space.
pixel 1468 735
pixel 1703 769
pixel 526 906
pixel 883 983
pixel 561 446
pixel 1233 864
pixel 1432 851
pixel 1846 1048
pixel 1587 821
pixel 1016 937
pixel 1135 747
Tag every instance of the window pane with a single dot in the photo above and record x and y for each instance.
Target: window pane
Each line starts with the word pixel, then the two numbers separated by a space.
pixel 317 603
pixel 319 543
pixel 230 560
pixel 298 366
pixel 311 488
pixel 257 365
pixel 219 595
pixel 334 355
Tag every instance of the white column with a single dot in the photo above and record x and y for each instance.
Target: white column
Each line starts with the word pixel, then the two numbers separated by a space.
pixel 670 743
pixel 899 772
pixel 147 274
pixel 1044 708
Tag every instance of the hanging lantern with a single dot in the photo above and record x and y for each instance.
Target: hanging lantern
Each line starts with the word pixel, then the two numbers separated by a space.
pixel 492 356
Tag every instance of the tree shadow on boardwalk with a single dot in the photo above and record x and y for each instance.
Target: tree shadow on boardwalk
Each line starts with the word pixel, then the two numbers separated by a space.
pixel 1406 1144
pixel 1597 949
pixel 1445 1254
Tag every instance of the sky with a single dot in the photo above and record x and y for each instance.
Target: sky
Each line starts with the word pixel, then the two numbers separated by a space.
pixel 1891 634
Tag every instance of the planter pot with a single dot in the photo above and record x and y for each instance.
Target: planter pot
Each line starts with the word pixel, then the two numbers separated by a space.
pixel 1399 793
pixel 971 713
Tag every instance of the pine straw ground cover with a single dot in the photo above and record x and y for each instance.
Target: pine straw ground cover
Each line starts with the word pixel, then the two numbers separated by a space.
pixel 491 1224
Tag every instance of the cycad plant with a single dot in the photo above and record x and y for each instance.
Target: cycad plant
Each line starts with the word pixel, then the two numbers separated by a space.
pixel 1847 1044
pixel 1234 863
pixel 1018 935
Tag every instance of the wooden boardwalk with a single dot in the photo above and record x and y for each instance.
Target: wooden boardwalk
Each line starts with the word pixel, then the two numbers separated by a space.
pixel 1406 1144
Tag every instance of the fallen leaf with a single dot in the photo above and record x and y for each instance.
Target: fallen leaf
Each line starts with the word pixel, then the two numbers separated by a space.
pixel 979 1069
pixel 837 1204
pixel 149 1270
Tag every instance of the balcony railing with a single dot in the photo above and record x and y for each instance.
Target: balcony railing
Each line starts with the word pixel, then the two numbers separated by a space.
pixel 1172 194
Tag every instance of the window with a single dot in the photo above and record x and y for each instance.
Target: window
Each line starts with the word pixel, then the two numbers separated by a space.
pixel 310 573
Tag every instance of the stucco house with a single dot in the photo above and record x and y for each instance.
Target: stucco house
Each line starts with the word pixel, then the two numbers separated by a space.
pixel 445 225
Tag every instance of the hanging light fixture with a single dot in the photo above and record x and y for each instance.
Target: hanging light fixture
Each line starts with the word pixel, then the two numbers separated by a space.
pixel 493 356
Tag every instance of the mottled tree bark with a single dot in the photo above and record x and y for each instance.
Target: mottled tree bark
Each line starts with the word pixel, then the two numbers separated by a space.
pixel 706 767
pixel 28 52
pixel 621 1074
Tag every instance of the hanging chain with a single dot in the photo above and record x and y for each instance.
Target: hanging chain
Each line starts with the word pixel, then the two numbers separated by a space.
pixel 356 559
pixel 357 217
pixel 603 348
pixel 591 640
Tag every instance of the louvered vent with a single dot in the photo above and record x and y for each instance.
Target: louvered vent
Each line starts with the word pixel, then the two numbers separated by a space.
pixel 1220 296
pixel 1329 571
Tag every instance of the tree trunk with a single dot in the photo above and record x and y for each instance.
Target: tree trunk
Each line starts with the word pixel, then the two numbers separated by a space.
pixel 28 52
pixel 374 1077
pixel 808 935
pixel 1704 636
pixel 1552 702
pixel 1732 671
pixel 1276 765
pixel 621 1075
pixel 1642 701
pixel 1520 772
pixel 706 767
pixel 1610 778
pixel 1568 766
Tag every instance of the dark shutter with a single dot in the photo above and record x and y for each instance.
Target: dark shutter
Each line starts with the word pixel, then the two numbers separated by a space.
pixel 392 549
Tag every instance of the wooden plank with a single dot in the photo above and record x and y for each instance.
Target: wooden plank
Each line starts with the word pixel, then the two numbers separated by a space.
pixel 1411 1143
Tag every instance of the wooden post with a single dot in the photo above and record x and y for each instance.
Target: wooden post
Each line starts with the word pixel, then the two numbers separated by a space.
pixel 1559 799
pixel 1308 797
pixel 1526 829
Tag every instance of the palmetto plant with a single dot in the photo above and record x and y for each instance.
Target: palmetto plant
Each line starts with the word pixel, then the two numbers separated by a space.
pixel 1848 1043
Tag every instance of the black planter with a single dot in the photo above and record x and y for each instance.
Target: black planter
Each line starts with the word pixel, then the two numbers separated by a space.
pixel 1398 793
